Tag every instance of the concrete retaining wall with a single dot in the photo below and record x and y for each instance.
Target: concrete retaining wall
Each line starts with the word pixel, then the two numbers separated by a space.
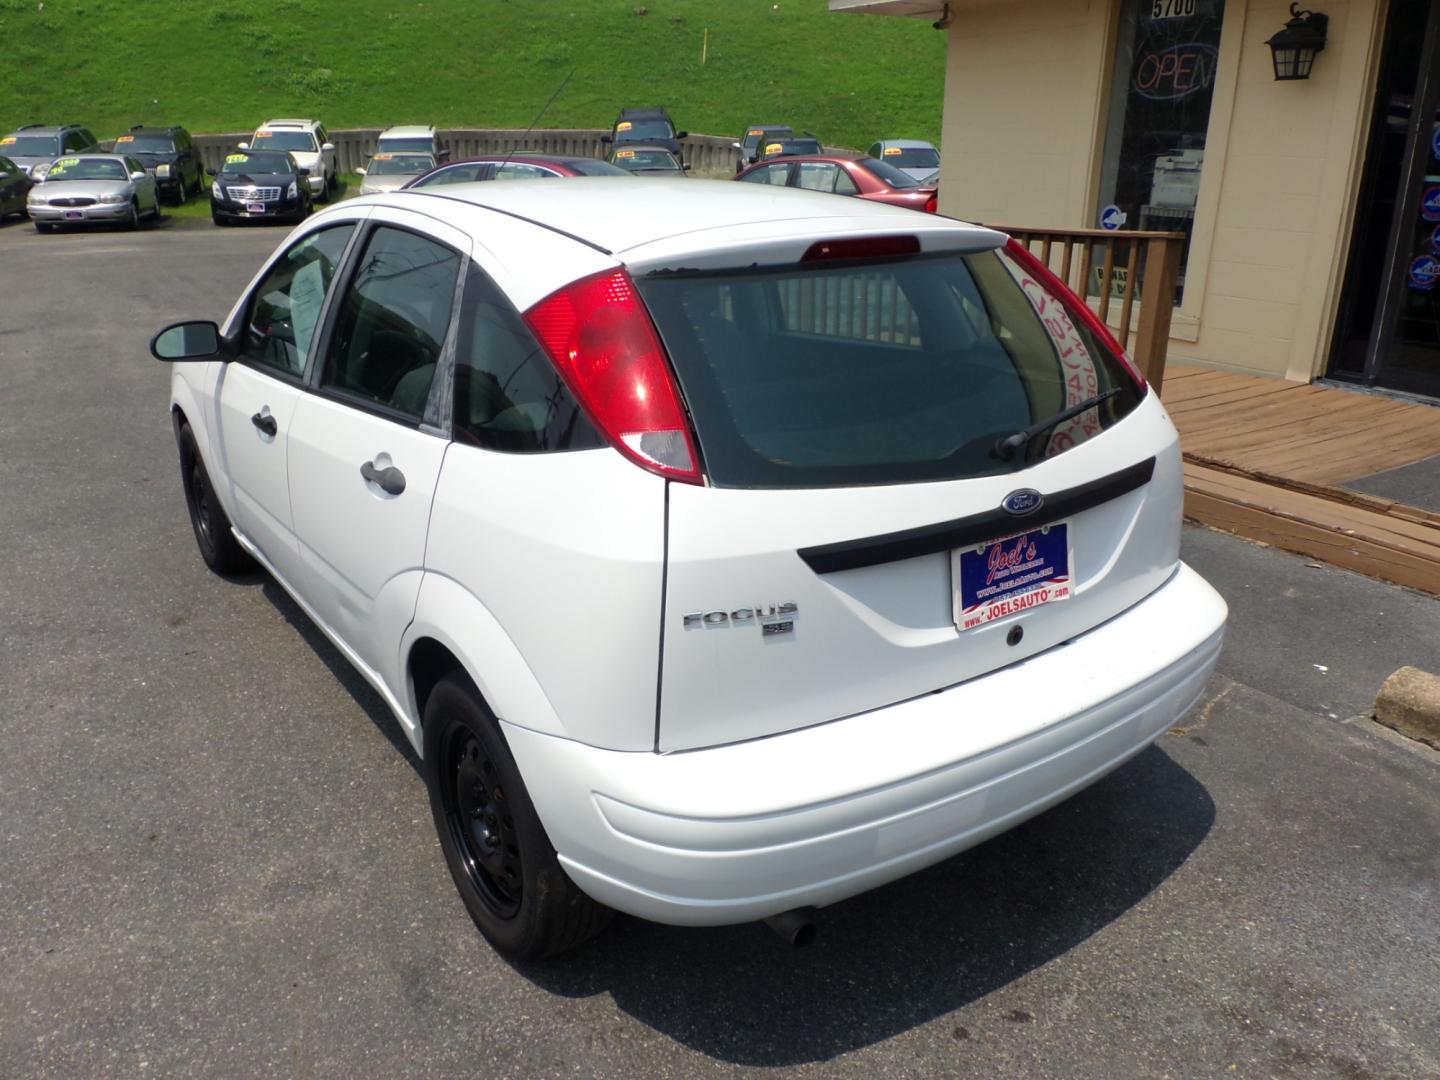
pixel 708 155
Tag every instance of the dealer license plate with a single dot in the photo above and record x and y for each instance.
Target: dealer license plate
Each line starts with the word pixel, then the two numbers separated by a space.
pixel 74 215
pixel 1012 574
pixel 254 207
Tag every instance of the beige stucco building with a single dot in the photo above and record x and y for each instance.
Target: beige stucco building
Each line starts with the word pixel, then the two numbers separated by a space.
pixel 1310 205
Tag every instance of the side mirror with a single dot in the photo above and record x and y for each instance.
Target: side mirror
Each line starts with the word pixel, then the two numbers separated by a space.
pixel 306 172
pixel 361 171
pixel 682 134
pixel 327 147
pixel 686 166
pixel 186 341
pixel 736 146
pixel 607 138
pixel 242 146
pixel 211 172
pixel 138 175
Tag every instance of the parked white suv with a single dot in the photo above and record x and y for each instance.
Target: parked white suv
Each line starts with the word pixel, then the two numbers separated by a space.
pixel 723 550
pixel 308 143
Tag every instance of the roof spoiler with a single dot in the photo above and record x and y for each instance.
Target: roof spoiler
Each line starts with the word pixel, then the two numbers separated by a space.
pixel 28 127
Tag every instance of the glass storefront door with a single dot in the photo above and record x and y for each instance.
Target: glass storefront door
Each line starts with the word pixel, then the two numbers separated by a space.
pixel 1388 332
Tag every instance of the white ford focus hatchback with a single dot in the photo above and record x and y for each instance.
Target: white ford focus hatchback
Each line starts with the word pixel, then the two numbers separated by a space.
pixel 724 551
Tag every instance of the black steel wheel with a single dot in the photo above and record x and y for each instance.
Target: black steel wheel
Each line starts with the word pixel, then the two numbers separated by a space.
pixel 502 862
pixel 218 547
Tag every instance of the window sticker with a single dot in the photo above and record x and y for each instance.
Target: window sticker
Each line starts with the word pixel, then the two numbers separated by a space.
pixel 892 151
pixel 236 159
pixel 306 294
pixel 624 153
pixel 7 140
pixel 773 148
pixel 624 125
pixel 383 157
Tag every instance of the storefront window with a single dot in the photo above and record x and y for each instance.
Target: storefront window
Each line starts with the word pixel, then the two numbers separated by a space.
pixel 1166 55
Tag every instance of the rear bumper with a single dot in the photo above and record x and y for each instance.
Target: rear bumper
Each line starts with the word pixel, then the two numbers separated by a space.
pixel 744 831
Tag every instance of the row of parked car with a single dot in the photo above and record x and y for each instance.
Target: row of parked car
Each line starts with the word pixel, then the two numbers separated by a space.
pixel 62 175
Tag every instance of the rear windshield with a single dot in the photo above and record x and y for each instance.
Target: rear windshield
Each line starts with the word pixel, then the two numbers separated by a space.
pixel 888 372
pixel 586 167
pixel 284 140
pixel 912 157
pixel 419 145
pixel 640 130
pixel 889 174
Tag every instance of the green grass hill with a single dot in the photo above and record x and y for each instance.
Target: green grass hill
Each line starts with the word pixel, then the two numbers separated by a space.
pixel 485 63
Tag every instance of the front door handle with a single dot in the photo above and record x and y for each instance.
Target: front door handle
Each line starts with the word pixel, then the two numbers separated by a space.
pixel 266 423
pixel 389 480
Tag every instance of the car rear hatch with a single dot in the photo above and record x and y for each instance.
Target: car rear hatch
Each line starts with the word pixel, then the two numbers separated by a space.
pixel 860 538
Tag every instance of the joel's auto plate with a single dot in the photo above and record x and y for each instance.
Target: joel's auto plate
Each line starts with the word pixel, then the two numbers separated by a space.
pixel 1012 574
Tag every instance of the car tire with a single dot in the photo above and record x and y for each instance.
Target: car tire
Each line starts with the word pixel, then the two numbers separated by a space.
pixel 502 862
pixel 44 227
pixel 133 222
pixel 218 547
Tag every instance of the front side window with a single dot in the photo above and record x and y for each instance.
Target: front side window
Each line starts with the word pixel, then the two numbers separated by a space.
pixel 77 141
pixel 285 308
pixel 1164 78
pixel 392 322
pixel 508 395
pixel 302 141
pixel 897 371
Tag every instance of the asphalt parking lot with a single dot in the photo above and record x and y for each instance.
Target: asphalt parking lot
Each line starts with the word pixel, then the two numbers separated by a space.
pixel 217 859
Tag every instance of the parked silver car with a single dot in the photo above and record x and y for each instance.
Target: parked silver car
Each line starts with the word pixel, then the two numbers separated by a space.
pixel 391 171
pixel 915 156
pixel 90 188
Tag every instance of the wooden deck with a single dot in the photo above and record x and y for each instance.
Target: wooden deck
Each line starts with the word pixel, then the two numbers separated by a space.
pixel 1267 459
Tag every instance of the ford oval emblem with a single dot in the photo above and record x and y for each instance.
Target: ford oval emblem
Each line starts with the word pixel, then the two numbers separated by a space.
pixel 1022 502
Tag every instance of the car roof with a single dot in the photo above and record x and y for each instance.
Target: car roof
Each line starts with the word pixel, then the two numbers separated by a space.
pixel 650 112
pixel 408 131
pixel 152 129
pixel 290 123
pixel 908 144
pixel 529 157
pixel 45 129
pixel 618 217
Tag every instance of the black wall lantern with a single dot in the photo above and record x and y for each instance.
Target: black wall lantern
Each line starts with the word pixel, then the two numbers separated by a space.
pixel 1293 49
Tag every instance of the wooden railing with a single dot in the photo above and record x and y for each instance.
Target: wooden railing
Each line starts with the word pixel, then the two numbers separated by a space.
pixel 1118 267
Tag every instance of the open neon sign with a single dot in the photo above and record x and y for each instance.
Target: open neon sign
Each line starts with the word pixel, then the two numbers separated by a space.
pixel 1176 72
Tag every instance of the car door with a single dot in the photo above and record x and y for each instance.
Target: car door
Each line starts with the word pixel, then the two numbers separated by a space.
pixel 258 391
pixel 146 193
pixel 367 445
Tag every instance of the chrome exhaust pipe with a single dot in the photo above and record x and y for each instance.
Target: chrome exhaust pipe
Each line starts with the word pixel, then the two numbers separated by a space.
pixel 796 927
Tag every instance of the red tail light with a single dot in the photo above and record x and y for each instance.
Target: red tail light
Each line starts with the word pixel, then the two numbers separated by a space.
pixel 601 339
pixel 1075 305
pixel 932 204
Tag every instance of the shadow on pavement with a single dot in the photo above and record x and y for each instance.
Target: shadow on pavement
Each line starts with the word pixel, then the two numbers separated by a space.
pixel 915 950
pixel 344 671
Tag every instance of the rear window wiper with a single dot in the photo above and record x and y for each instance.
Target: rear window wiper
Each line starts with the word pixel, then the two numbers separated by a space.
pixel 1005 447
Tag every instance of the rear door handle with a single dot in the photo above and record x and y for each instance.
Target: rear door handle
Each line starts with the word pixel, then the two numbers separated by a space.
pixel 389 480
pixel 265 422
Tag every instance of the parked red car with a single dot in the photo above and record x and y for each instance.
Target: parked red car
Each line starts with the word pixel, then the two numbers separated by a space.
pixel 845 174
pixel 518 166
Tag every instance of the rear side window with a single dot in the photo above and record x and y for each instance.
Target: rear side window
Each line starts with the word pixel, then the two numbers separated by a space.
pixel 888 372
pixel 392 322
pixel 777 174
pixel 508 395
